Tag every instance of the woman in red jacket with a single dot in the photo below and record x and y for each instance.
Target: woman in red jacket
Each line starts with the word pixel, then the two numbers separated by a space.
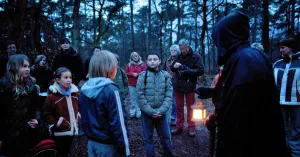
pixel 133 70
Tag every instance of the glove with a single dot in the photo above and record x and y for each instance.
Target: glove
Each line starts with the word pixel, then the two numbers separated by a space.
pixel 204 93
pixel 210 122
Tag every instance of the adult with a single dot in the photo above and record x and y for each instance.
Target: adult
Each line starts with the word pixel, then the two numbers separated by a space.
pixel 87 62
pixel 287 77
pixel 247 110
pixel 42 73
pixel 133 70
pixel 174 51
pixel 187 67
pixel 69 58
pixel 11 50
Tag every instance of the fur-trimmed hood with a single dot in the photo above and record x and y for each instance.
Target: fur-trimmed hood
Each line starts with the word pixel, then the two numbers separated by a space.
pixel 56 88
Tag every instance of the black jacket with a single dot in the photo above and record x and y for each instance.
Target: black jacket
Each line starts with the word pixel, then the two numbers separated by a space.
pixel 15 112
pixel 71 60
pixel 245 98
pixel 186 75
pixel 43 77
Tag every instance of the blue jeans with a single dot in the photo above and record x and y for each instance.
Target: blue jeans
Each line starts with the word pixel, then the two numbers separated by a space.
pixel 163 131
pixel 291 118
pixel 96 149
pixel 173 115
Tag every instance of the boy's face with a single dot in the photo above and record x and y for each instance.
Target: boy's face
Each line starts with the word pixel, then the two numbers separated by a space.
pixel 11 49
pixel 153 61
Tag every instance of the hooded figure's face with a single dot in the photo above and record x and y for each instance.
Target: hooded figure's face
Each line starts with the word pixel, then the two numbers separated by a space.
pixel 229 33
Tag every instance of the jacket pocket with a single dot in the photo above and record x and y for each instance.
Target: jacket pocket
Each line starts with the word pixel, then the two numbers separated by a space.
pixel 63 124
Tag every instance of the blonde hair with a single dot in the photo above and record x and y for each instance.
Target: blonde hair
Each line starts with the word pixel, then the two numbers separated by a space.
pixel 14 63
pixel 103 64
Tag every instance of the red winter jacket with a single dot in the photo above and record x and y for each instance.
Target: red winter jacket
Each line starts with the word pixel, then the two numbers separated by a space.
pixel 133 67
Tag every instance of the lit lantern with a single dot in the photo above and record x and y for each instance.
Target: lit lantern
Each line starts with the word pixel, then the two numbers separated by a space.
pixel 199 112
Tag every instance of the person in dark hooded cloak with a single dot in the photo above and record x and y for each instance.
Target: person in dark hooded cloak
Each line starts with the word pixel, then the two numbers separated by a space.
pixel 247 110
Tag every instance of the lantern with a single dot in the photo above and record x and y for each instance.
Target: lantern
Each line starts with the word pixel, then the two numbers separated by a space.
pixel 199 112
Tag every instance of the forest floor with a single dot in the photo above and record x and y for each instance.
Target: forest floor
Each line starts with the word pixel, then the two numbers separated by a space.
pixel 183 145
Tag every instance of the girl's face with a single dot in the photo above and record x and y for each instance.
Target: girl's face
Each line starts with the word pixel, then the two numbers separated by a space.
pixel 42 63
pixel 65 80
pixel 285 51
pixel 24 70
pixel 153 61
pixel 135 57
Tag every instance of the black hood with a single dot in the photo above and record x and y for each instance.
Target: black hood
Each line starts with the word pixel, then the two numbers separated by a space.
pixel 229 34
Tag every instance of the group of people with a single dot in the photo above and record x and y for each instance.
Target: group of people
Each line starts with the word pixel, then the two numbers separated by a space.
pixel 252 107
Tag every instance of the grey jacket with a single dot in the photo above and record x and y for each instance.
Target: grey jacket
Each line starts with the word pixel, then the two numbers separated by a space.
pixel 154 93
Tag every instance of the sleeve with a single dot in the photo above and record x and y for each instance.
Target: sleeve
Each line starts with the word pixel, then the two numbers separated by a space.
pixel 48 111
pixel 125 81
pixel 168 97
pixel 117 123
pixel 172 65
pixel 128 72
pixel 140 88
pixel 195 71
pixel 79 73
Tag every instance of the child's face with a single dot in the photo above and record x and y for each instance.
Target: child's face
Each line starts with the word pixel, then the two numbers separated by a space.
pixel 285 51
pixel 153 61
pixel 24 70
pixel 65 80
pixel 42 62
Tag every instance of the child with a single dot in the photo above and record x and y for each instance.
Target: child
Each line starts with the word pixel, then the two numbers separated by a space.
pixel 18 93
pixel 61 110
pixel 101 108
pixel 121 80
pixel 155 98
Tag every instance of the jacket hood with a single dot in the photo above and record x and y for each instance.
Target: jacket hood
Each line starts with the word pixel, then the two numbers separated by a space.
pixel 94 86
pixel 56 88
pixel 229 34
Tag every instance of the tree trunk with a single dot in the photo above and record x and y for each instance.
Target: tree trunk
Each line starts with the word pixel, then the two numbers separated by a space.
pixel 204 28
pixel 94 21
pixel 171 32
pixel 179 20
pixel 132 28
pixel 37 28
pixel 292 2
pixel 265 34
pixel 149 26
pixel 19 24
pixel 62 5
pixel 76 25
pixel 196 27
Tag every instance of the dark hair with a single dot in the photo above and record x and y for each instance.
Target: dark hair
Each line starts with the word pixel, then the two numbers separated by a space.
pixel 290 42
pixel 153 53
pixel 9 42
pixel 59 71
pixel 96 47
pixel 63 40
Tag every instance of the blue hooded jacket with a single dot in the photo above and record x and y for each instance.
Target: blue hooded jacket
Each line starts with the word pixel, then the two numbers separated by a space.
pixel 102 114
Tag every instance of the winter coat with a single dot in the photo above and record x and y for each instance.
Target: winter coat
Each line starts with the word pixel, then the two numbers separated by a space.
pixel 246 101
pixel 15 111
pixel 102 114
pixel 154 92
pixel 71 60
pixel 3 63
pixel 288 80
pixel 62 111
pixel 121 80
pixel 186 75
pixel 133 67
pixel 167 68
pixel 43 77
